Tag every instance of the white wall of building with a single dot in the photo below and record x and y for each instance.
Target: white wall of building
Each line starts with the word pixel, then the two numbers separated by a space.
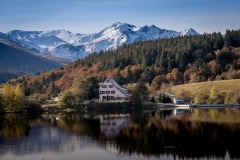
pixel 109 92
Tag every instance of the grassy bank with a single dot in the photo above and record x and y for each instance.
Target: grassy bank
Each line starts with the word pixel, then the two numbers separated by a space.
pixel 220 86
pixel 227 90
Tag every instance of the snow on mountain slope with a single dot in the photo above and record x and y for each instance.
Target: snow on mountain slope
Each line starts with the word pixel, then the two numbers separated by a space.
pixel 153 32
pixel 35 39
pixel 189 32
pixel 70 45
pixel 111 37
pixel 64 35
pixel 73 52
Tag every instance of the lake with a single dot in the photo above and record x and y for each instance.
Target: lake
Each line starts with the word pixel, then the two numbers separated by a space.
pixel 115 136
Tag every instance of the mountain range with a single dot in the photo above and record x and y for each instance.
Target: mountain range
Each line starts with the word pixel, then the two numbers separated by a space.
pixel 16 60
pixel 72 46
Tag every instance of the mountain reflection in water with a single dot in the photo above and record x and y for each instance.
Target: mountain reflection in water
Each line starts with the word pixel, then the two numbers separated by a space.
pixel 108 136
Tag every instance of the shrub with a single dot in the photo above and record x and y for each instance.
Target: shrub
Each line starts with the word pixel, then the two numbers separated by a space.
pixel 67 99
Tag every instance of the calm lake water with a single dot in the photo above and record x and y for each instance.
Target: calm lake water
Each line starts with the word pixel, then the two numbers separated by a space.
pixel 114 137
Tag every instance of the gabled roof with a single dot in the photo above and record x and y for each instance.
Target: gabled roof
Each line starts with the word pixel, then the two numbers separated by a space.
pixel 123 90
pixel 115 84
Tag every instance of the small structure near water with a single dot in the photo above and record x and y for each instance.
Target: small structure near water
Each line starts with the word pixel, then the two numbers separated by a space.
pixel 175 100
pixel 178 106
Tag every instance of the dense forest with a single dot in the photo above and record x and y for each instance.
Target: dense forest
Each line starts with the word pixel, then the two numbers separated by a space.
pixel 198 58
pixel 158 63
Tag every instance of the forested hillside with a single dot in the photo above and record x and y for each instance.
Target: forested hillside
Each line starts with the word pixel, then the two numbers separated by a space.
pixel 158 63
pixel 200 57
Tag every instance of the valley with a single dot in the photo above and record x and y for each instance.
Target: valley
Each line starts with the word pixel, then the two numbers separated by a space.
pixel 17 61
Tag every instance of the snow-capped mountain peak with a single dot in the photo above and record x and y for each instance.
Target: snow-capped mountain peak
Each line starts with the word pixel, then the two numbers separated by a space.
pixel 65 44
pixel 189 32
pixel 117 29
pixel 122 26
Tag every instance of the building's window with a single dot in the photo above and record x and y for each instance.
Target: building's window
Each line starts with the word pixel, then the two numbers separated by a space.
pixel 104 86
pixel 105 92
pixel 107 81
pixel 104 97
pixel 100 92
pixel 112 92
pixel 108 97
pixel 110 86
pixel 112 97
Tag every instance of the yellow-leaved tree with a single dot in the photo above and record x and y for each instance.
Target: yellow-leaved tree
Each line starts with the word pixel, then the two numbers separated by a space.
pixel 13 98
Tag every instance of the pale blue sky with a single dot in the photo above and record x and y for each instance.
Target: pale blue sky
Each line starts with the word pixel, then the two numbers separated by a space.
pixel 90 16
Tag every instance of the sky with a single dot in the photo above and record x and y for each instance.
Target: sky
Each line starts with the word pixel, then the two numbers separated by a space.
pixel 91 16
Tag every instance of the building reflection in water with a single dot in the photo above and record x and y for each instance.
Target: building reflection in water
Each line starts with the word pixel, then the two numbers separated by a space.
pixel 112 124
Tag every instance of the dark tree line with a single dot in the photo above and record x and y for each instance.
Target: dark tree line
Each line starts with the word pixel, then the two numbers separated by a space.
pixel 165 53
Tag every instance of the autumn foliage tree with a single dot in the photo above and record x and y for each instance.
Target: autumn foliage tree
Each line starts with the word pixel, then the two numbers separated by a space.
pixel 157 83
pixel 175 77
pixel 12 98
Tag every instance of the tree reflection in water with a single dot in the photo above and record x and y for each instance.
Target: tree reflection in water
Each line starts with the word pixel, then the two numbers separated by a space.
pixel 14 126
pixel 127 134
pixel 181 138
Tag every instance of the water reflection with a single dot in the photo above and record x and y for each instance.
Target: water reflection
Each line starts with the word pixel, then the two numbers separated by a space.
pixel 116 136
pixel 112 124
pixel 14 127
pixel 181 139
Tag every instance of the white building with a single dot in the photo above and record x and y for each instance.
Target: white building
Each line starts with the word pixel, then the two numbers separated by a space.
pixel 111 91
